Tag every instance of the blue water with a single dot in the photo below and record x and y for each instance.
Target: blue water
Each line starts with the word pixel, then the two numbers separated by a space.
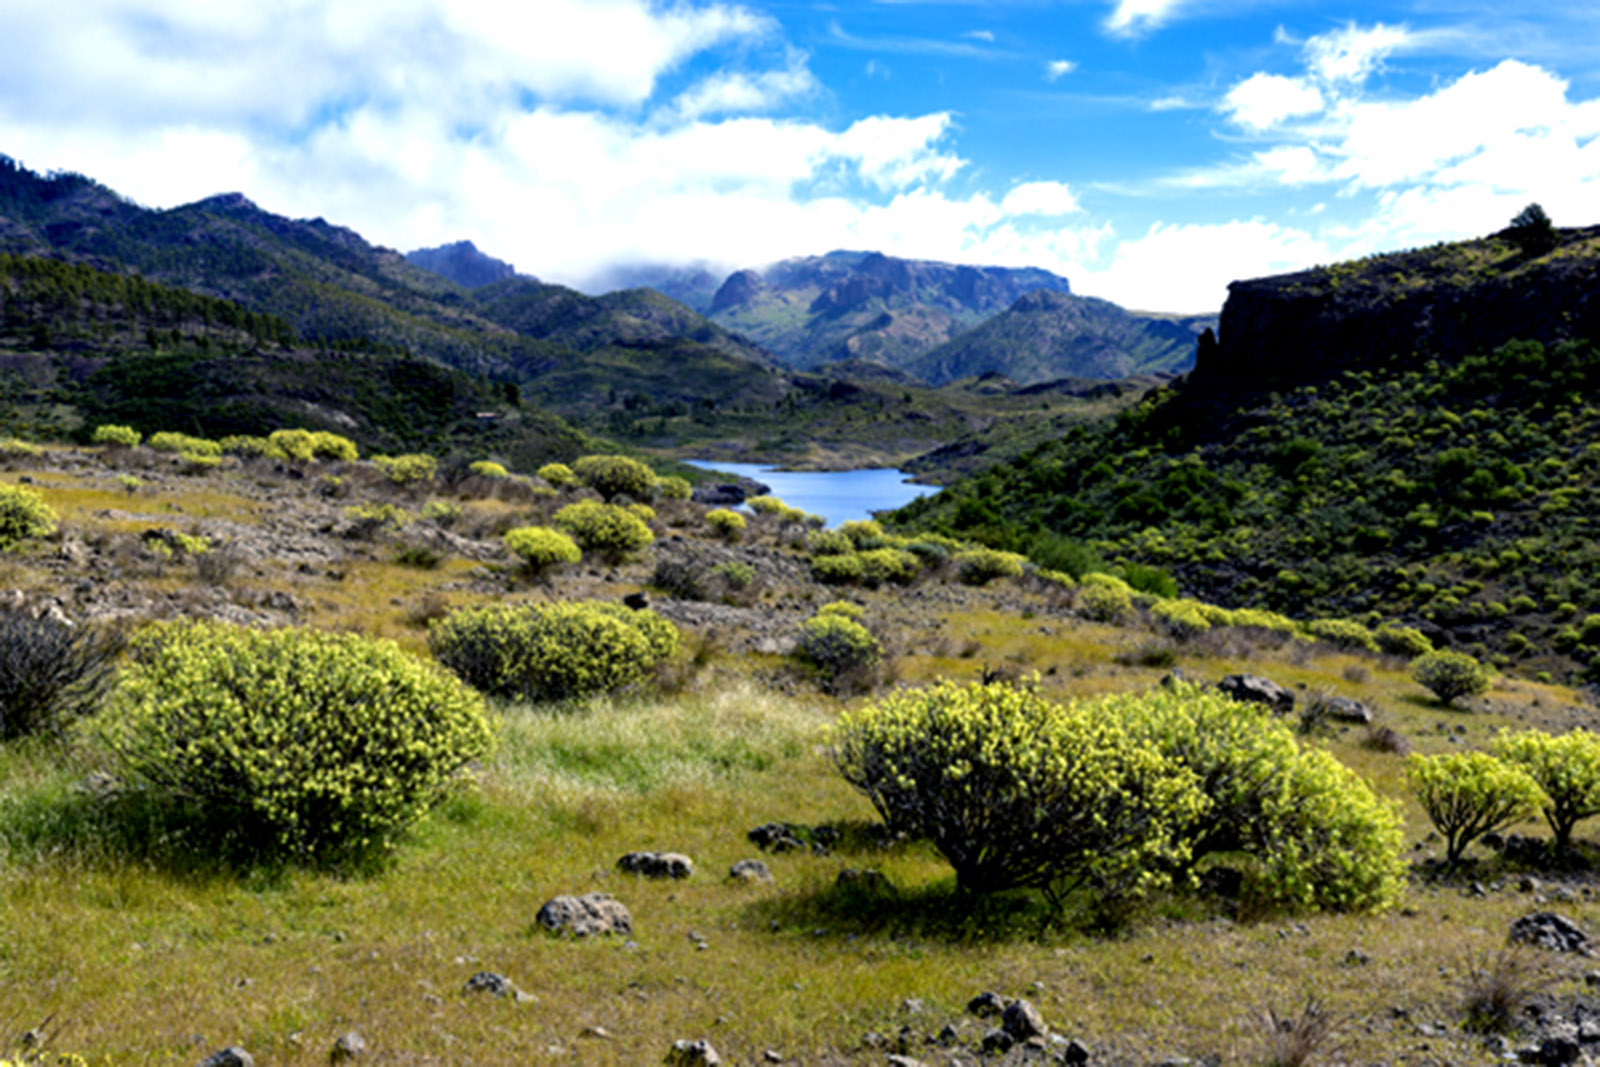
pixel 837 496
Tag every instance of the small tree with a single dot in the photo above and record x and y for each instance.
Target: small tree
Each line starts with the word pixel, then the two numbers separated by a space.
pixel 1451 675
pixel 1567 768
pixel 1532 231
pixel 1469 794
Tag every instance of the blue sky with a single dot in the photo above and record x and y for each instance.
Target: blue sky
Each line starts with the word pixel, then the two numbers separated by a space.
pixel 1150 150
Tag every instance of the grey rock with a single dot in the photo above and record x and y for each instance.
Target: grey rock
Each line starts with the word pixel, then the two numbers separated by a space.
pixel 903 1061
pixel 350 1046
pixel 997 1041
pixel 986 1005
pixel 496 985
pixel 692 1054
pixel 1253 689
pixel 232 1056
pixel 585 916
pixel 1546 929
pixel 1022 1020
pixel 1557 1052
pixel 1343 709
pixel 775 837
pixel 1076 1052
pixel 749 871
pixel 657 864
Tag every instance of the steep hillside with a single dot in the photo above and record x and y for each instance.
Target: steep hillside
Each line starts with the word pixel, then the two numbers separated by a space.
pixel 865 305
pixel 83 347
pixel 1046 335
pixel 1455 486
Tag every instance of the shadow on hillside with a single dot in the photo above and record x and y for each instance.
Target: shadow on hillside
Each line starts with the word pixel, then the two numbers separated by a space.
pixel 939 912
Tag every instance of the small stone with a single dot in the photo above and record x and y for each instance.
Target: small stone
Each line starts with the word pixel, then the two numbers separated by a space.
pixel 911 1006
pixel 749 871
pixel 949 1035
pixel 497 985
pixel 1546 929
pixel 1022 1020
pixel 596 1033
pixel 657 865
pixel 1356 958
pixel 873 1039
pixel 350 1046
pixel 897 1060
pixel 232 1056
pixel 692 1054
pixel 1076 1052
pixel 986 1004
pixel 771 1056
pixel 997 1042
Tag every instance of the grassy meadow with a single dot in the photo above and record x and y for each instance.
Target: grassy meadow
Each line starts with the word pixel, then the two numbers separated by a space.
pixel 123 944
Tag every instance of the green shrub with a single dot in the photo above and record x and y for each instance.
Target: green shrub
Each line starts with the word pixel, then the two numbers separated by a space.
pixel 550 652
pixel 1104 597
pixel 736 573
pixel 198 462
pixel 1396 640
pixel 542 549
pixel 839 647
pixel 1182 619
pixel 368 519
pixel 862 532
pixel 829 543
pixel 1259 619
pixel 642 512
pixel 558 475
pixel 131 483
pixel 1018 792
pixel 1567 768
pixel 980 566
pixel 310 744
pixel 247 447
pixel 1450 675
pixel 50 673
pixel 766 505
pixel 167 441
pixel 441 512
pixel 672 487
pixel 1469 794
pixel 879 565
pixel 844 609
pixel 611 532
pixel 325 445
pixel 1318 835
pixel 837 570
pixel 298 445
pixel 1589 630
pixel 614 476
pixel 1342 633
pixel 408 469
pixel 24 516
pixel 1152 580
pixel 488 468
pixel 116 436
pixel 725 524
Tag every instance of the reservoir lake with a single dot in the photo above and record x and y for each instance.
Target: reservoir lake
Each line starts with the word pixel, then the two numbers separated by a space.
pixel 838 496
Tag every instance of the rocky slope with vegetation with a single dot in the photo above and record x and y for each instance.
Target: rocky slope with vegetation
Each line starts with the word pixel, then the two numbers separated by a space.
pixel 1452 485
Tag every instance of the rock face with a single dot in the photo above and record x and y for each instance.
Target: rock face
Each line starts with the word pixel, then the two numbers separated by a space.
pixel 692 1054
pixel 585 916
pixel 657 864
pixel 463 264
pixel 1256 690
pixel 1546 929
pixel 1445 301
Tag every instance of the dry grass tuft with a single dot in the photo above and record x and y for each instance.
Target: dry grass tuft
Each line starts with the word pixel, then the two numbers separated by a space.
pixel 1496 987
pixel 1297 1040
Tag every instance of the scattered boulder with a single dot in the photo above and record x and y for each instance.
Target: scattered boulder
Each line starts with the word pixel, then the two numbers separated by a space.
pixel 1546 929
pixel 692 1054
pixel 1076 1052
pixel 997 1042
pixel 1555 1052
pixel 775 837
pixel 1254 689
pixel 986 1005
pixel 749 871
pixel 585 916
pixel 350 1046
pixel 496 985
pixel 1022 1021
pixel 657 864
pixel 1343 709
pixel 232 1056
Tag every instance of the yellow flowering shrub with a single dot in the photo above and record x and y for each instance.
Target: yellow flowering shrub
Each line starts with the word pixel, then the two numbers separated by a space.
pixel 558 475
pixel 310 744
pixel 408 469
pixel 168 441
pixel 1567 768
pixel 672 487
pixel 614 533
pixel 116 436
pixel 1182 619
pixel 1469 794
pixel 725 524
pixel 1451 675
pixel 879 565
pixel 980 566
pixel 488 468
pixel 614 476
pixel 1104 597
pixel 552 651
pixel 541 548
pixel 24 516
pixel 838 644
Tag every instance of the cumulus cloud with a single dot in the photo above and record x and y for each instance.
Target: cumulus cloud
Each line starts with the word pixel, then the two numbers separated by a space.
pixel 1264 100
pixel 740 92
pixel 1058 68
pixel 1040 198
pixel 1190 266
pixel 1351 54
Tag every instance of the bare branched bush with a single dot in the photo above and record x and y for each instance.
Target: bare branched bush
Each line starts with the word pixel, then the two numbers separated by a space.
pixel 1298 1039
pixel 1495 988
pixel 51 673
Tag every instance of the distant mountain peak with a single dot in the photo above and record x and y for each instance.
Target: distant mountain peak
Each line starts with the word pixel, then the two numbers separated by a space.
pixel 229 202
pixel 462 263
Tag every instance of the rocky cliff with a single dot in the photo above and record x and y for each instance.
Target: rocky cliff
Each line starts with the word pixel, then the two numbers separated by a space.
pixel 1444 301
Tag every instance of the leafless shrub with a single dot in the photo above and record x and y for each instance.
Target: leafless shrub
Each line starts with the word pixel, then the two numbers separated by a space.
pixel 1495 988
pixel 1298 1039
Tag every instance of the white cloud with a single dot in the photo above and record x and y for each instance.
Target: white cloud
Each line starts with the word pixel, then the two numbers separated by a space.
pixel 1059 67
pixel 980 35
pixel 1351 54
pixel 1040 198
pixel 1264 100
pixel 1134 16
pixel 1188 267
pixel 734 92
